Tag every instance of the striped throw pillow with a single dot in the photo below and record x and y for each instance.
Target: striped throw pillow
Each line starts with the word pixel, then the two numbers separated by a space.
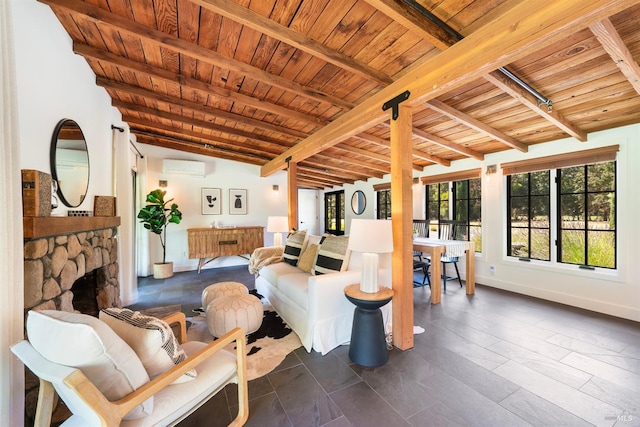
pixel 293 246
pixel 332 255
pixel 150 338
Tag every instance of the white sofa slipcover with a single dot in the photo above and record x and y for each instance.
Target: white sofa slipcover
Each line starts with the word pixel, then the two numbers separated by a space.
pixel 315 307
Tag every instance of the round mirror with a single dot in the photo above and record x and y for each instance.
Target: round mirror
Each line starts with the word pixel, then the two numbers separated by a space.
pixel 358 202
pixel 70 162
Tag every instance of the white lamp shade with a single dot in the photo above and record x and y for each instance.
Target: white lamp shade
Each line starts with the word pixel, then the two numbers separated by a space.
pixel 371 236
pixel 277 224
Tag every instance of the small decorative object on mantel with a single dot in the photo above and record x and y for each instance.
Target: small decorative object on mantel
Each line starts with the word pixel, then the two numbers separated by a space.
pixel 77 212
pixel 36 193
pixel 104 206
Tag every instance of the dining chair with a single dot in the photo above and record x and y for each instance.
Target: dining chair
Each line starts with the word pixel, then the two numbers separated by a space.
pixel 450 230
pixel 420 262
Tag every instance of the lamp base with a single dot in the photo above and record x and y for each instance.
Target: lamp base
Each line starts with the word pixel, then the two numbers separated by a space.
pixel 277 239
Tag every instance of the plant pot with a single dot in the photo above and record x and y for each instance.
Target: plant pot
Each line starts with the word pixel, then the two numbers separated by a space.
pixel 162 270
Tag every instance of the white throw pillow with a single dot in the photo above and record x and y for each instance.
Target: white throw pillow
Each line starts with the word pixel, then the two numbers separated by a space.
pixel 86 343
pixel 151 338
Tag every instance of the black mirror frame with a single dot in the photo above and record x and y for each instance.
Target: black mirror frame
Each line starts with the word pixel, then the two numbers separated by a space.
pixel 354 199
pixel 52 159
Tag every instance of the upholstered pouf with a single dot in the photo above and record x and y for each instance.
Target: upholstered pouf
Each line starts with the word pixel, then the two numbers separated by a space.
pixel 227 312
pixel 222 289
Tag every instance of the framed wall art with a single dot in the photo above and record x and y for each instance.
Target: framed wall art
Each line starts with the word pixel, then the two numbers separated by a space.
pixel 237 201
pixel 211 201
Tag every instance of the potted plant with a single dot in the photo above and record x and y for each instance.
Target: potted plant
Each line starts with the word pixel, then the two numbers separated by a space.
pixel 156 216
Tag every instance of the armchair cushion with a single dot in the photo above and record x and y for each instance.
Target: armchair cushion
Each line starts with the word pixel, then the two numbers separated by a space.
pixel 84 342
pixel 151 338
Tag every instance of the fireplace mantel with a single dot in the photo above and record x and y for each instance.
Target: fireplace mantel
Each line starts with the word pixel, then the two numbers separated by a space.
pixel 41 226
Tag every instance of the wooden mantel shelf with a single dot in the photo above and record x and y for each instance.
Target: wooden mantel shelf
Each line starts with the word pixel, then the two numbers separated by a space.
pixel 42 226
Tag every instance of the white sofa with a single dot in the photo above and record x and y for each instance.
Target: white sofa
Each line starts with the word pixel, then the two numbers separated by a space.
pixel 315 306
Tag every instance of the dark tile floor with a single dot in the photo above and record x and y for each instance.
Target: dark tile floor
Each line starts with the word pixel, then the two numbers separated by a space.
pixel 492 359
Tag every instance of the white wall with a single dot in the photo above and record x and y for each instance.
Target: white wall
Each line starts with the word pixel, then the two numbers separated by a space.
pixel 52 83
pixel 186 190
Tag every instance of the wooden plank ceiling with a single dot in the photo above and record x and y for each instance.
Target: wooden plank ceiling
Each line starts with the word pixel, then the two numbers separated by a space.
pixel 247 80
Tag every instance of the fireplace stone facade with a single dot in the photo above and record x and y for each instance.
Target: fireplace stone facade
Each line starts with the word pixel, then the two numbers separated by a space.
pixel 52 264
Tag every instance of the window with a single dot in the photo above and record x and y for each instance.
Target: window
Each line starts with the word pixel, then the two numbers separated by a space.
pixel 334 212
pixel 586 208
pixel 464 204
pixel 437 203
pixel 576 226
pixel 383 204
pixel 528 201
pixel 467 196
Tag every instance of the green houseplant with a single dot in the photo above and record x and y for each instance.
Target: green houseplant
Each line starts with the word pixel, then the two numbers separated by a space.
pixel 155 216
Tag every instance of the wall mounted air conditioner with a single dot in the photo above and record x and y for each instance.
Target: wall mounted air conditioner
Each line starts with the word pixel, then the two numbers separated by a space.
pixel 183 167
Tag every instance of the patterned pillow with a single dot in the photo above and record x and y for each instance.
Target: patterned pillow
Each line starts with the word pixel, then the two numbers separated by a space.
pixel 332 255
pixel 293 247
pixel 151 338
pixel 305 263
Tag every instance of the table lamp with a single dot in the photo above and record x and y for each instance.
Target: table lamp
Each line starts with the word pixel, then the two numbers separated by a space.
pixel 277 225
pixel 371 237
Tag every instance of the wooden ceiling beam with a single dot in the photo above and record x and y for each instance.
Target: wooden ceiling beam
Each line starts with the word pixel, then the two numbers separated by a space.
pixel 434 139
pixel 327 166
pixel 195 122
pixel 364 164
pixel 366 153
pixel 194 147
pixel 431 33
pixel 528 100
pixel 100 16
pixel 414 152
pixel 197 107
pixel 311 177
pixel 194 84
pixel 414 21
pixel 611 41
pixel 215 141
pixel 496 44
pixel 467 120
pixel 244 16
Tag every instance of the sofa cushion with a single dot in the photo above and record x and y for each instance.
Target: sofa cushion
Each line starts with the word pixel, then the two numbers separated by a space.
pixel 86 343
pixel 333 255
pixel 151 338
pixel 295 286
pixel 308 257
pixel 273 272
pixel 293 246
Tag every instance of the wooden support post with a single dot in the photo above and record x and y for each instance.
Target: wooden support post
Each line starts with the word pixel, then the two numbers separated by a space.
pixel 292 194
pixel 402 217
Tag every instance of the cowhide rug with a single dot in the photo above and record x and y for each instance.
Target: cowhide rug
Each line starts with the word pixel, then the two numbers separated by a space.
pixel 266 348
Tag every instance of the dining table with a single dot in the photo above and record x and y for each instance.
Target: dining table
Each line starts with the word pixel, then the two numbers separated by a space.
pixel 436 249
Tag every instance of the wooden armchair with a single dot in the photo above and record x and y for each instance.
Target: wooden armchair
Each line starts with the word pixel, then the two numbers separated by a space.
pixel 172 402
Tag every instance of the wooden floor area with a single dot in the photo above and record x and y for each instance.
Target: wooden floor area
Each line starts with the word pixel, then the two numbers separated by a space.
pixel 491 359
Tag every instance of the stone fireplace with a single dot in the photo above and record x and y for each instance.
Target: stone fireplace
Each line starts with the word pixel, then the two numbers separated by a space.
pixel 62 254
pixel 53 263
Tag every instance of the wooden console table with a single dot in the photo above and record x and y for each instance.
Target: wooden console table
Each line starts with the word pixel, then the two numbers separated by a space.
pixel 207 244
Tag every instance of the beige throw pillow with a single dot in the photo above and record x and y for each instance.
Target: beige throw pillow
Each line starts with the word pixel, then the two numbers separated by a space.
pixel 305 263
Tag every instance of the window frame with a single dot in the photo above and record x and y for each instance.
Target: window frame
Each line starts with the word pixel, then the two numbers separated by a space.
pixel 585 193
pixel 339 212
pixel 383 206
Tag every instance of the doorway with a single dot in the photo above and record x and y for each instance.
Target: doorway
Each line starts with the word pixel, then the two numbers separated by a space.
pixel 308 210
